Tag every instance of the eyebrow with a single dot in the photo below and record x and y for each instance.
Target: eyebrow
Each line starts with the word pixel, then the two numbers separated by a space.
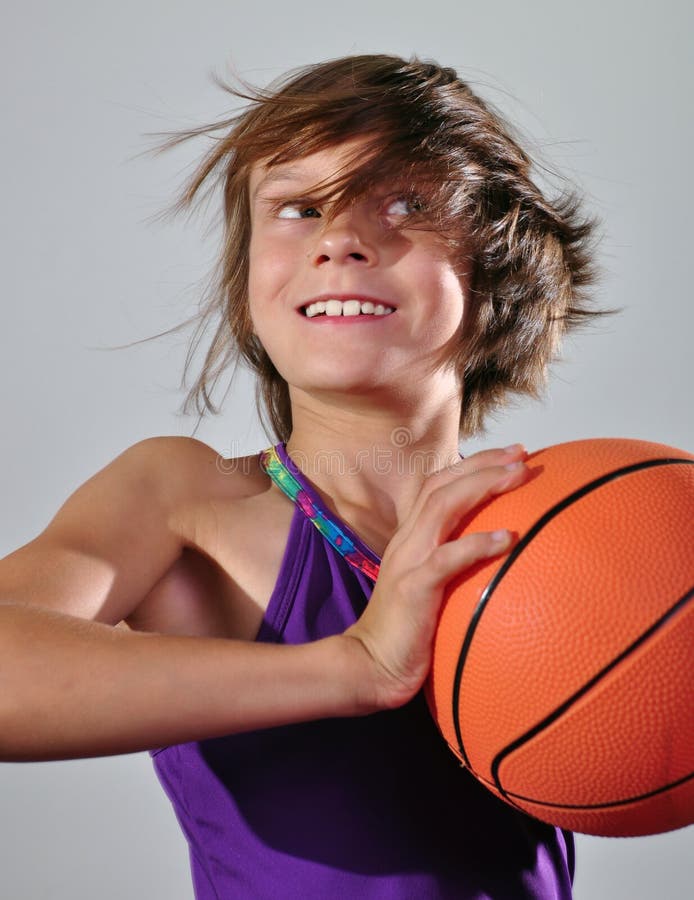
pixel 287 173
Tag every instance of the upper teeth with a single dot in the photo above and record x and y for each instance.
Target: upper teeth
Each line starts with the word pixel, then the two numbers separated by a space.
pixel 347 308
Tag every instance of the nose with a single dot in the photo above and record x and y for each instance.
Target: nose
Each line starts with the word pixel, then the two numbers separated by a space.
pixel 346 240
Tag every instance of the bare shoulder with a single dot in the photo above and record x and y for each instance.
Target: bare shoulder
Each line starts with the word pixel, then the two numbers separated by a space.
pixel 181 465
pixel 186 470
pixel 193 485
pixel 212 499
pixel 121 530
pixel 232 527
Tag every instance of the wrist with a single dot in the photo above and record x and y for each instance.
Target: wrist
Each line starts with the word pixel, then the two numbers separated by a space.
pixel 358 675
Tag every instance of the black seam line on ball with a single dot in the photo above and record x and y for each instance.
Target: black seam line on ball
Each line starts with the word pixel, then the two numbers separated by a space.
pixel 511 796
pixel 513 556
pixel 516 799
pixel 568 703
pixel 637 798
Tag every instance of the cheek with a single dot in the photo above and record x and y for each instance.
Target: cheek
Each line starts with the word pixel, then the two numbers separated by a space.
pixel 255 269
pixel 444 314
pixel 268 268
pixel 266 279
pixel 441 275
pixel 450 290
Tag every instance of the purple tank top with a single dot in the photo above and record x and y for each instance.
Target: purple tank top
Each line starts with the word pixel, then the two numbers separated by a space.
pixel 367 807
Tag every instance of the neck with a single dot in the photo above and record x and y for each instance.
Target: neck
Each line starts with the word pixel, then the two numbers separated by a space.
pixel 369 462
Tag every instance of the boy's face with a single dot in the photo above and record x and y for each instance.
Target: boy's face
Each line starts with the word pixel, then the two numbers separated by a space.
pixel 297 257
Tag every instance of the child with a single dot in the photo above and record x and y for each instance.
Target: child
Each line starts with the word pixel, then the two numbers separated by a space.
pixel 391 273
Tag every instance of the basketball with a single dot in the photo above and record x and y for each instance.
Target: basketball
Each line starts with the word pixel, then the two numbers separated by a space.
pixel 563 670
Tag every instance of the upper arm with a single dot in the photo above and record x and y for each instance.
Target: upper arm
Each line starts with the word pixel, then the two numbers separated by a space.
pixel 110 542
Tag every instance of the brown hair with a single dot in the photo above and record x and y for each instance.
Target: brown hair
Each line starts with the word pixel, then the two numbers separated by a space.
pixel 532 258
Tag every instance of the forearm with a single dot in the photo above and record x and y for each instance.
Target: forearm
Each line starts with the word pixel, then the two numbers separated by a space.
pixel 70 687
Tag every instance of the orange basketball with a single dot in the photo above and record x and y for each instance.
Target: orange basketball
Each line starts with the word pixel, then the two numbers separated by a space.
pixel 563 671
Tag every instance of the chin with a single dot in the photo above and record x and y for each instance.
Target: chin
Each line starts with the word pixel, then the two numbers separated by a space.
pixel 335 381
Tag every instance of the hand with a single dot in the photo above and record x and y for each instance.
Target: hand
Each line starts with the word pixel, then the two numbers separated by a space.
pixel 398 626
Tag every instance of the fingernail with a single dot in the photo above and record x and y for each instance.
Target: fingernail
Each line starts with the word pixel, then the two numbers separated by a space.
pixel 500 537
pixel 514 448
pixel 514 466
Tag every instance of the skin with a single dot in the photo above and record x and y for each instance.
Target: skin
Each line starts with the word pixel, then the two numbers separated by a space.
pixel 360 387
pixel 75 684
pixel 296 254
pixel 368 395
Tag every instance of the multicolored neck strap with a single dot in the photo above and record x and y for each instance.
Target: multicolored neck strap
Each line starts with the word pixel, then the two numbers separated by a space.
pixel 288 478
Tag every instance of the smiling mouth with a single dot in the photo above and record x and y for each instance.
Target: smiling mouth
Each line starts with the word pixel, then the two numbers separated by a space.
pixel 352 308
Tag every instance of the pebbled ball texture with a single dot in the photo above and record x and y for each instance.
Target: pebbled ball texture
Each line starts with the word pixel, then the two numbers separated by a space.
pixel 563 671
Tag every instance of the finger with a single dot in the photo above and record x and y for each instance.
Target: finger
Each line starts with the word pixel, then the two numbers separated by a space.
pixel 496 456
pixel 465 495
pixel 452 557
pixel 443 509
pixel 472 464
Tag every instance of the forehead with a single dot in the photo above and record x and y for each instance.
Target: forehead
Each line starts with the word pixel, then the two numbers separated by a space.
pixel 314 167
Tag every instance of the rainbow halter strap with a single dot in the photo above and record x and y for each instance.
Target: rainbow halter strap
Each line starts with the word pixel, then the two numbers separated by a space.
pixel 278 465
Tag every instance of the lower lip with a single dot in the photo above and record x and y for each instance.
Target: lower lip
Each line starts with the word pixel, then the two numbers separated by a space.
pixel 345 320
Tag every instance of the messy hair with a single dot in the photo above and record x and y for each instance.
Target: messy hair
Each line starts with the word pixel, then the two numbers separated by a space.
pixel 532 259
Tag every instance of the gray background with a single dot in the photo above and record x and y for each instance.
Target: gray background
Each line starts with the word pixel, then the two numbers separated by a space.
pixel 603 89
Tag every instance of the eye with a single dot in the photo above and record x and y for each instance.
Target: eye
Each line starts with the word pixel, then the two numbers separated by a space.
pixel 297 211
pixel 403 206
